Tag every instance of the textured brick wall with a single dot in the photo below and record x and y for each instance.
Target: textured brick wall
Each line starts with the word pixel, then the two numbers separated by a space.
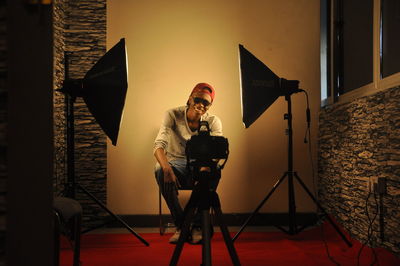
pixel 59 8
pixel 81 29
pixel 360 141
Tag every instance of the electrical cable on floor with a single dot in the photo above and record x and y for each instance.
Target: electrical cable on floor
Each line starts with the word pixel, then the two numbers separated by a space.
pixel 369 230
pixel 372 229
pixel 327 248
pixel 307 139
pixel 376 214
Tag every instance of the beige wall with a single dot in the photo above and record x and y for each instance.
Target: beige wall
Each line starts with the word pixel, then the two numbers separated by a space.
pixel 172 45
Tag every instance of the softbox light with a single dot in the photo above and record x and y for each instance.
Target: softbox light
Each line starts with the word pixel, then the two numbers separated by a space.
pixel 259 86
pixel 104 88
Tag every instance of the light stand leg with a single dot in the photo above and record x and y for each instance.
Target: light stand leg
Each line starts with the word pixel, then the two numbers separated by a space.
pixel 323 211
pixel 259 206
pixel 122 222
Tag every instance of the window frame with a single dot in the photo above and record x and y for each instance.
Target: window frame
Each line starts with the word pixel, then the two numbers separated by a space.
pixel 378 83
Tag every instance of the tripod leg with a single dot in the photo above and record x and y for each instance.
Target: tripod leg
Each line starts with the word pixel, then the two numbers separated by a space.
pixel 259 206
pixel 188 215
pixel 206 249
pixel 113 215
pixel 184 235
pixel 225 232
pixel 323 211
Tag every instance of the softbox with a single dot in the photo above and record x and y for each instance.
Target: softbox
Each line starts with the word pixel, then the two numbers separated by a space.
pixel 104 88
pixel 259 86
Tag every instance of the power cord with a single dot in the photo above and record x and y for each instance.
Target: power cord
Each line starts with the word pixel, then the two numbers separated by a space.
pixel 369 230
pixel 327 248
pixel 307 140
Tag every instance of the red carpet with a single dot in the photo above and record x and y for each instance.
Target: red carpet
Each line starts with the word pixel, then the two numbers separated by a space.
pixel 253 248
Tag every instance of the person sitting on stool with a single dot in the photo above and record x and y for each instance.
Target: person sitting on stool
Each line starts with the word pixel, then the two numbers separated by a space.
pixel 178 126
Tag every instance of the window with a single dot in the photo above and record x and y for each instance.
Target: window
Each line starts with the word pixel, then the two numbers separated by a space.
pixel 324 50
pixel 359 48
pixel 355 37
pixel 390 38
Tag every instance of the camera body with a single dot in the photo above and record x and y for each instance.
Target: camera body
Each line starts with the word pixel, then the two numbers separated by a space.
pixel 206 148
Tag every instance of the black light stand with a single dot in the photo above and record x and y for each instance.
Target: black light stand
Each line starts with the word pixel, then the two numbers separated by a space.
pixel 290 175
pixel 73 185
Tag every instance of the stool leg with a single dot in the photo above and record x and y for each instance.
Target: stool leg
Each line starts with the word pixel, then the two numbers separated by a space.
pixel 77 239
pixel 57 232
pixel 162 229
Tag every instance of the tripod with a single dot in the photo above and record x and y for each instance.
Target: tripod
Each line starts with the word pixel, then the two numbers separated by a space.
pixel 290 175
pixel 72 184
pixel 204 198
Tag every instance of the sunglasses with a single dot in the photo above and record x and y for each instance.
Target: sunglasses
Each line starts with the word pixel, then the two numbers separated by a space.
pixel 204 102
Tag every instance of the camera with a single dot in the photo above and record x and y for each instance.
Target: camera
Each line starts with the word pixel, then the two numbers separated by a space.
pixel 205 148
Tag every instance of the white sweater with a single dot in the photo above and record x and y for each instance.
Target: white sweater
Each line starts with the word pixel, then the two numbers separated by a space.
pixel 175 132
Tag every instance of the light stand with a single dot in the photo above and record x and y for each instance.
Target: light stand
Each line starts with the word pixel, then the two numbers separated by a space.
pixel 72 184
pixel 290 175
pixel 71 90
pixel 260 87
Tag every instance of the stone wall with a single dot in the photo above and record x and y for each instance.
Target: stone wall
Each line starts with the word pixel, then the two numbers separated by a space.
pixel 360 142
pixel 80 28
pixel 60 174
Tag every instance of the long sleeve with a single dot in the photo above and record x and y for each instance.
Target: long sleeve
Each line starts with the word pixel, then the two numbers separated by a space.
pixel 174 132
pixel 164 133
